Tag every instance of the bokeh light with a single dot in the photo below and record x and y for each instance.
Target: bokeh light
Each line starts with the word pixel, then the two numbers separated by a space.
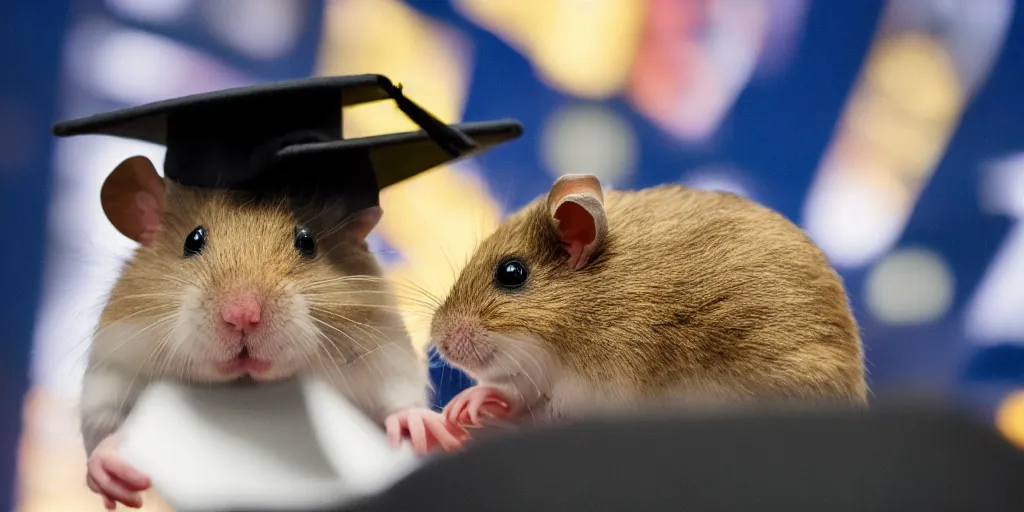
pixel 1010 418
pixel 722 178
pixel 435 219
pixel 133 67
pixel 910 287
pixel 261 29
pixel 907 172
pixel 588 139
pixel 153 11
pixel 582 47
pixel 995 313
pixel 694 59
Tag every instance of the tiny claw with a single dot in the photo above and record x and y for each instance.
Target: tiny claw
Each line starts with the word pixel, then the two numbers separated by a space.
pixel 426 429
pixel 466 409
pixel 114 479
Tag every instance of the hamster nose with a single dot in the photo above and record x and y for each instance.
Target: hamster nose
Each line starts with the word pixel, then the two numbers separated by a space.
pixel 241 313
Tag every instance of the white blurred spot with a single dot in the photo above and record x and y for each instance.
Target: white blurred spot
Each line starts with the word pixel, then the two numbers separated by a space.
pixel 972 32
pixel 83 259
pixel 851 222
pixel 260 29
pixel 153 11
pixel 133 67
pixel 910 287
pixel 588 139
pixel 1002 187
pixel 719 178
pixel 995 313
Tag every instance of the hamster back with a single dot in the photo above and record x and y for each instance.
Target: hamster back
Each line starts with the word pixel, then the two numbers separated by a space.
pixel 660 291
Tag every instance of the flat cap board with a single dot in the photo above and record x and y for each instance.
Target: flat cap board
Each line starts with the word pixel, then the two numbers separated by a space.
pixel 892 459
pixel 286 137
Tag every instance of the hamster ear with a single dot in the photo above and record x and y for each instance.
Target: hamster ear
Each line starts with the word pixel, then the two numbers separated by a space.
pixel 576 206
pixel 365 220
pixel 133 199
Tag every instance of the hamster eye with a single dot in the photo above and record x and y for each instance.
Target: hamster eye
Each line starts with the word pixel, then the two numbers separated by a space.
pixel 304 242
pixel 511 274
pixel 195 241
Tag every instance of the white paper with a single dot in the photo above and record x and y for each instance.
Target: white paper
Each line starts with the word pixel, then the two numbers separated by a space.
pixel 296 445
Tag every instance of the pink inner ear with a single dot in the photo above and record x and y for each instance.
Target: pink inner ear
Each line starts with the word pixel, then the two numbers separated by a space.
pixel 149 216
pixel 576 228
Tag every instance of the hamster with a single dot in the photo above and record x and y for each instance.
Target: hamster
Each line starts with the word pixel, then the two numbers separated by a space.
pixel 228 287
pixel 589 301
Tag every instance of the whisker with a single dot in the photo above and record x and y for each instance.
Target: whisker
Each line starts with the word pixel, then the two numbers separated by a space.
pixel 359 325
pixel 525 373
pixel 396 309
pixel 349 296
pixel 137 333
pixel 320 337
pixel 138 371
pixel 343 333
pixel 515 385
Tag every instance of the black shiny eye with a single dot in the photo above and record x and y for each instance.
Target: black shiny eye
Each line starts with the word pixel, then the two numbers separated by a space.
pixel 195 241
pixel 511 274
pixel 304 242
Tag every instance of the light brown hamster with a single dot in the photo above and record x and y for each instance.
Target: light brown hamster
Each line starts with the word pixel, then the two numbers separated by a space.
pixel 225 287
pixel 586 301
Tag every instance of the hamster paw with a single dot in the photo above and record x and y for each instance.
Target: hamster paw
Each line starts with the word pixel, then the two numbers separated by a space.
pixel 425 428
pixel 113 478
pixel 468 406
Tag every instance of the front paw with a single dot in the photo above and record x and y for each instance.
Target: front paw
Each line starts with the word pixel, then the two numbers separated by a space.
pixel 471 405
pixel 113 478
pixel 425 428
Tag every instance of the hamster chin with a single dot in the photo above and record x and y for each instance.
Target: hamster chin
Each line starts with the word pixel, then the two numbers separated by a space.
pixel 275 346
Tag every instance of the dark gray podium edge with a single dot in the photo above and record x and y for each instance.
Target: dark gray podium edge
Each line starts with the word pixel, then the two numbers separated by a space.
pixel 894 457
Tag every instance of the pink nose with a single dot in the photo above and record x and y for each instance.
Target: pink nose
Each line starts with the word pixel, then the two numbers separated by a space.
pixel 241 313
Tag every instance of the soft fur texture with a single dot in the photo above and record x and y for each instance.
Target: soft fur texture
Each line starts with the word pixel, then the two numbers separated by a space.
pixel 692 293
pixel 330 314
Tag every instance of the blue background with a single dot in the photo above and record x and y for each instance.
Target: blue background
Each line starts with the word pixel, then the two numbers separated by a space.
pixel 776 131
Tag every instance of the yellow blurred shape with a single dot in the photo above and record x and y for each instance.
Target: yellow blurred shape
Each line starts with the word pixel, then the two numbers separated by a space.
pixel 1010 418
pixel 430 60
pixel 51 460
pixel 893 132
pixel 583 47
pixel 434 219
pixel 912 99
pixel 916 71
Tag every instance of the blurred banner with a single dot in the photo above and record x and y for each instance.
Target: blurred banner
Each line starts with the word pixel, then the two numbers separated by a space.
pixel 893 132
pixel 30 49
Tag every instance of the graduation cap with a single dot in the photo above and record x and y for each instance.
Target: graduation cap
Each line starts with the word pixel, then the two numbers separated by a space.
pixel 286 137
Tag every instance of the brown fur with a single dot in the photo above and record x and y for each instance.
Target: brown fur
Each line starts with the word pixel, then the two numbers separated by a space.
pixel 330 314
pixel 691 288
pixel 250 244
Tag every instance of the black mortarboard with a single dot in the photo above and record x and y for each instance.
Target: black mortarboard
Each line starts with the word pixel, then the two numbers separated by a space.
pixel 287 137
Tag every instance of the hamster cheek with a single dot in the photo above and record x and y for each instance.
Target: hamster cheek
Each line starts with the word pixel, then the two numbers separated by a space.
pixel 194 349
pixel 296 344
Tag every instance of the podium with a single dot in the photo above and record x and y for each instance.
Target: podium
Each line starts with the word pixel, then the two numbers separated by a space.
pixel 890 458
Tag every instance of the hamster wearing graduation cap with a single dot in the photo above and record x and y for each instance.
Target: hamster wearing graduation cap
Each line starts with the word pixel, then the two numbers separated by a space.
pixel 592 301
pixel 253 263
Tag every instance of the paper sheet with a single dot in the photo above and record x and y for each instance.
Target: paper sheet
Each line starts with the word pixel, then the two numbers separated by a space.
pixel 295 445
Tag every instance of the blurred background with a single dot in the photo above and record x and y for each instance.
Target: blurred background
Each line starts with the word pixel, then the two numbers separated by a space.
pixel 892 131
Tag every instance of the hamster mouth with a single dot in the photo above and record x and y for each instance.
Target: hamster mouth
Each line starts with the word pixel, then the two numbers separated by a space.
pixel 243 362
